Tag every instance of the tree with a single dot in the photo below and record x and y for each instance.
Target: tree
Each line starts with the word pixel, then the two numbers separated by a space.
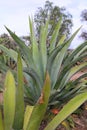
pixel 7 41
pixel 84 19
pixel 84 15
pixel 55 13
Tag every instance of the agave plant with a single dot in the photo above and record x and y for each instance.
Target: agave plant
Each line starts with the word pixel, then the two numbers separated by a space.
pixel 13 103
pixel 15 118
pixel 38 59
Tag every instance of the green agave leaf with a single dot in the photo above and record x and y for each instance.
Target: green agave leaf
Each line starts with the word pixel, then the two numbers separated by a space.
pixel 58 60
pixel 84 75
pixel 25 50
pixel 35 51
pixel 61 41
pixel 40 108
pixel 68 109
pixel 29 100
pixel 70 73
pixel 19 111
pixel 55 35
pixel 43 48
pixel 70 64
pixel 31 28
pixel 35 78
pixel 74 92
pixel 81 52
pixel 71 90
pixel 9 101
pixel 75 52
pixel 31 94
pixel 27 115
pixel 52 56
pixel 66 68
pixel 1 121
pixel 75 69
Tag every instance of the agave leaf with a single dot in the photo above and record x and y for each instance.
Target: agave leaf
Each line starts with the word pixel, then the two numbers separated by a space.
pixel 24 49
pixel 70 61
pixel 36 78
pixel 43 48
pixel 84 75
pixel 55 35
pixel 19 111
pixel 74 91
pixel 75 69
pixel 9 101
pixel 75 52
pixel 31 29
pixel 34 85
pixel 81 51
pixel 68 109
pixel 31 94
pixel 58 60
pixel 29 101
pixel 68 66
pixel 1 121
pixel 61 41
pixel 70 73
pixel 35 51
pixel 27 115
pixel 52 56
pixel 40 108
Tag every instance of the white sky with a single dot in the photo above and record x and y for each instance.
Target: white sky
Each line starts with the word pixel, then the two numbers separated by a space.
pixel 14 14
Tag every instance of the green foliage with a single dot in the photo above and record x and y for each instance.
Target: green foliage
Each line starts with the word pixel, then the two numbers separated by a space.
pixel 33 114
pixel 71 106
pixel 38 60
pixel 27 115
pixel 16 118
pixel 40 107
pixel 56 60
pixel 14 107
pixel 9 101
pixel 19 111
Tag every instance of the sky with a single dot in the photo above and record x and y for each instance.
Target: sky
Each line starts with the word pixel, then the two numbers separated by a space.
pixel 14 14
